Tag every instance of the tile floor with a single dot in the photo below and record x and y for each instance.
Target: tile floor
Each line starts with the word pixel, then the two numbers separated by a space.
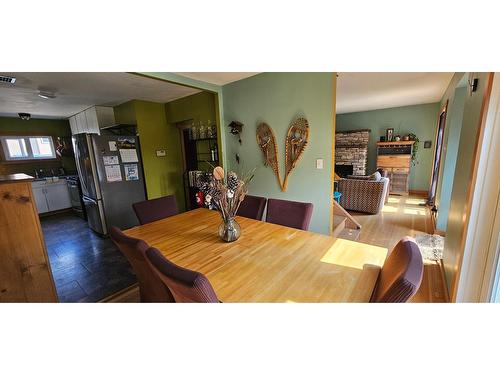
pixel 85 267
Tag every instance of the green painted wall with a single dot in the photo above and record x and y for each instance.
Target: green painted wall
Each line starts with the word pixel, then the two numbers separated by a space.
pixel 199 107
pixel 163 175
pixel 279 98
pixel 418 119
pixel 55 128
pixel 453 128
pixel 463 174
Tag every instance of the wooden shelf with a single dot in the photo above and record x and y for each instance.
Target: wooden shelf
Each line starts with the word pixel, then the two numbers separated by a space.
pixel 395 143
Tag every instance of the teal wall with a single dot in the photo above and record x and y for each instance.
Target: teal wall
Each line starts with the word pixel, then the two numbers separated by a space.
pixel 453 128
pixel 418 119
pixel 471 119
pixel 279 98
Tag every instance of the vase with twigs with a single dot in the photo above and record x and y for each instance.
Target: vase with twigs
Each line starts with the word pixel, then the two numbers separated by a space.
pixel 225 193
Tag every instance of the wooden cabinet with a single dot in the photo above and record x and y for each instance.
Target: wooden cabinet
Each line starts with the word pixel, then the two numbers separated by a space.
pixel 395 158
pixel 51 196
pixel 92 120
pixel 25 274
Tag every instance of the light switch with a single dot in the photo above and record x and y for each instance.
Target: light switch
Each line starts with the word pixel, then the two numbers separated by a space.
pixel 161 153
pixel 319 163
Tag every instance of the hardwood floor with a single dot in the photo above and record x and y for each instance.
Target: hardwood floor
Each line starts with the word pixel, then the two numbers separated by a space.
pixel 404 216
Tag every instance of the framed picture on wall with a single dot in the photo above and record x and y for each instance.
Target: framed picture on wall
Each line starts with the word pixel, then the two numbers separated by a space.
pixel 389 134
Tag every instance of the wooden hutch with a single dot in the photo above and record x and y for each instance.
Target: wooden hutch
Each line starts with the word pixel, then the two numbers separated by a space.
pixel 395 158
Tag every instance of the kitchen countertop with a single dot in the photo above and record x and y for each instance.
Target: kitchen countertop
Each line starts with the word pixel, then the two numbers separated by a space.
pixel 16 177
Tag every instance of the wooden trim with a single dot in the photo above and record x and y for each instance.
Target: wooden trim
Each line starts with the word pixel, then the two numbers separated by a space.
pixel 398 143
pixel 443 280
pixel 472 181
pixel 338 210
pixel 125 295
pixel 332 167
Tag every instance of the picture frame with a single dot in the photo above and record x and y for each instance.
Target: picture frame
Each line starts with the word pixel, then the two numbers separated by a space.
pixel 389 134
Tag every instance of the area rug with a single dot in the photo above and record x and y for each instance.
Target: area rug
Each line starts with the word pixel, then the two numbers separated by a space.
pixel 431 246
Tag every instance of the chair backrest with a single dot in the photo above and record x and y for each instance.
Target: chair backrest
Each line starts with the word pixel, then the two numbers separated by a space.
pixel 288 213
pixel 401 274
pixel 155 209
pixel 252 207
pixel 151 287
pixel 185 285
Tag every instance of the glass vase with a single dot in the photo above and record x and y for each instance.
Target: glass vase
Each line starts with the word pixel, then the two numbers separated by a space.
pixel 229 230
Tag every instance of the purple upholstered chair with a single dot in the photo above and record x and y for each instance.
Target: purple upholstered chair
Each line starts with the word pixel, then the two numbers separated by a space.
pixel 151 288
pixel 156 209
pixel 401 274
pixel 185 285
pixel 288 213
pixel 252 207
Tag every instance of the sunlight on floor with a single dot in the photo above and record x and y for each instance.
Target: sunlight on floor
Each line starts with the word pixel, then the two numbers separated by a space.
pixel 393 200
pixel 414 201
pixel 389 209
pixel 414 211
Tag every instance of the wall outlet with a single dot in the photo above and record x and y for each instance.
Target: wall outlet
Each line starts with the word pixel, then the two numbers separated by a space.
pixel 319 163
pixel 161 153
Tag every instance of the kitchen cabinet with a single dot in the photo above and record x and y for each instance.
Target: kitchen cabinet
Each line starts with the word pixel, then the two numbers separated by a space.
pixel 51 196
pixel 92 120
pixel 25 274
pixel 40 200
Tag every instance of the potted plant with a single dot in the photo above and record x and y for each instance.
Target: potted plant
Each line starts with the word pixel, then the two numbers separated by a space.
pixel 413 137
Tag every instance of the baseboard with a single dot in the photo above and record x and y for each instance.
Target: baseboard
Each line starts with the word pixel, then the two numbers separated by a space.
pixel 443 278
pixel 420 193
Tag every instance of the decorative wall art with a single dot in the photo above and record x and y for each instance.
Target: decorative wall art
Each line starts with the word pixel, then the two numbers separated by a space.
pixel 295 143
pixel 267 143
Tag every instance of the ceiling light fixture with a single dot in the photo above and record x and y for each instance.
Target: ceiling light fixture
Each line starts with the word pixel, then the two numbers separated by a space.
pixel 46 95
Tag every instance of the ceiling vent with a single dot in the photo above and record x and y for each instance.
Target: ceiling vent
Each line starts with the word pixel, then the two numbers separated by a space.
pixel 6 79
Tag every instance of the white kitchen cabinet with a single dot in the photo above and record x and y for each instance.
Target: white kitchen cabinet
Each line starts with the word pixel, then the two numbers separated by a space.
pixel 40 200
pixel 72 125
pixel 92 124
pixel 81 122
pixel 51 196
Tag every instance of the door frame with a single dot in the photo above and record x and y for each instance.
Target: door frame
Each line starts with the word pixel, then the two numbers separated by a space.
pixel 481 253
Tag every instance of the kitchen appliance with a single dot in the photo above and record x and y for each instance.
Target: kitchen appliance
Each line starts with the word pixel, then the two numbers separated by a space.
pixel 75 194
pixel 111 178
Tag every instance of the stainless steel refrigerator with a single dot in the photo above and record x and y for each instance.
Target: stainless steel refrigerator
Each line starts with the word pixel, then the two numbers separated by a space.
pixel 111 177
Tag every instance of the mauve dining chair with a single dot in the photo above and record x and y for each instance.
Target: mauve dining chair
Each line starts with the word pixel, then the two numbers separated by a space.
pixel 252 207
pixel 155 209
pixel 185 285
pixel 401 274
pixel 151 288
pixel 289 213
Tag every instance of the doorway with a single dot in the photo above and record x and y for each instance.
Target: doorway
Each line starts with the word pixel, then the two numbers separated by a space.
pixel 437 155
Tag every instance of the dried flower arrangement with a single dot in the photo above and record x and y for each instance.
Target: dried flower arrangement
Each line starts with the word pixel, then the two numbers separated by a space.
pixel 225 194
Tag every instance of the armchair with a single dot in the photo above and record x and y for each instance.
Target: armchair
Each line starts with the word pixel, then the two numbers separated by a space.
pixel 363 194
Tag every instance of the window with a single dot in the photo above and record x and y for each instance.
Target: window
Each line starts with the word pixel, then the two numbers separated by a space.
pixel 28 148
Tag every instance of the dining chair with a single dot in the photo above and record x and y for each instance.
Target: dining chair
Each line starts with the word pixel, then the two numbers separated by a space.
pixel 185 285
pixel 401 274
pixel 151 288
pixel 252 207
pixel 289 213
pixel 155 209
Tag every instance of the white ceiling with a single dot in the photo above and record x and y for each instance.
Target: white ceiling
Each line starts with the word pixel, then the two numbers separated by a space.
pixel 357 92
pixel 217 78
pixel 77 91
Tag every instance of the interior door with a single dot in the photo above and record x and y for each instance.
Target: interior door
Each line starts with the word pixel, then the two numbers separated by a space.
pixel 437 155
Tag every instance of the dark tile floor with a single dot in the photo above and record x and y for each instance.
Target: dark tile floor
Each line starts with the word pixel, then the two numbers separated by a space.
pixel 86 267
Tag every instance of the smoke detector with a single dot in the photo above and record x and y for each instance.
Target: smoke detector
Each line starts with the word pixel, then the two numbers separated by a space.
pixel 7 79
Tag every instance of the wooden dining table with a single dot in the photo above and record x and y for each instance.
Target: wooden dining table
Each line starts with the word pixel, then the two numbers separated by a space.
pixel 269 262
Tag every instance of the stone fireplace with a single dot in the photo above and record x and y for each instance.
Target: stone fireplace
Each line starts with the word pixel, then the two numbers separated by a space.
pixel 351 148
